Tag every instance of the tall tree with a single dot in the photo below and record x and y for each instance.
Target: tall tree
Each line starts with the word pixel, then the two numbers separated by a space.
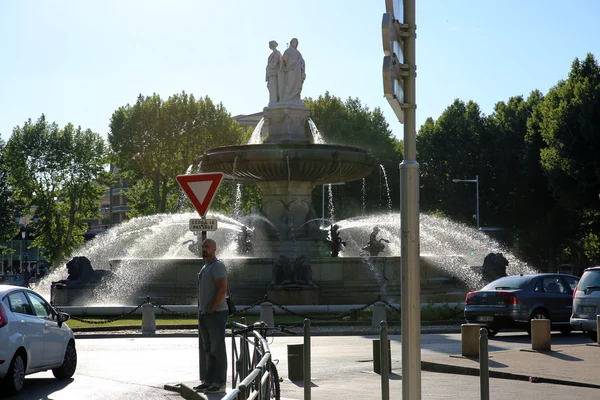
pixel 569 126
pixel 155 140
pixel 8 228
pixel 353 124
pixel 61 172
pixel 453 147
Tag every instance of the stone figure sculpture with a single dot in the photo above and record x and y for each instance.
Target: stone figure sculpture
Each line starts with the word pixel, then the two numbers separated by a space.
pixel 336 241
pixel 244 241
pixel 282 271
pixel 194 246
pixel 374 247
pixel 494 267
pixel 302 272
pixel 274 74
pixel 294 70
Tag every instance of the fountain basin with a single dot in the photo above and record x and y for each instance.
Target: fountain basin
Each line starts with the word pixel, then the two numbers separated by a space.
pixel 344 280
pixel 316 163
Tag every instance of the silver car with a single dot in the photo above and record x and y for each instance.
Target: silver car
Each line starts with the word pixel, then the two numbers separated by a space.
pixel 511 302
pixel 586 302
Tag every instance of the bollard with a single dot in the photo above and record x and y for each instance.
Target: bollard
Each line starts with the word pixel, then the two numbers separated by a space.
pixel 295 362
pixel 540 335
pixel 379 314
pixel 148 319
pixel 386 365
pixel 470 339
pixel 306 361
pixel 598 329
pixel 377 356
pixel 484 369
pixel 266 314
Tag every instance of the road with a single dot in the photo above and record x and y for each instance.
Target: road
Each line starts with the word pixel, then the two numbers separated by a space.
pixel 138 368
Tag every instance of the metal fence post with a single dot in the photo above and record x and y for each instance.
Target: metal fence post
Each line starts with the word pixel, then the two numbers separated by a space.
pixel 307 359
pixel 384 357
pixel 484 371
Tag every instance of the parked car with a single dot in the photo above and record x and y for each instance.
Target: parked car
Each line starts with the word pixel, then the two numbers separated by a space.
pixel 33 338
pixel 511 302
pixel 586 302
pixel 13 279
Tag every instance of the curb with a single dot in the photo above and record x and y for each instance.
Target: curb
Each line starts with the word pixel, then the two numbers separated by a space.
pixel 460 370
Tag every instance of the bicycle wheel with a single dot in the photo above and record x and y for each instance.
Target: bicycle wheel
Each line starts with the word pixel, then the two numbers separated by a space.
pixel 274 391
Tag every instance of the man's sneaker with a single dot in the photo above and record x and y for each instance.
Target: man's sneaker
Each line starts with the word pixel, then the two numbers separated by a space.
pixel 201 387
pixel 214 389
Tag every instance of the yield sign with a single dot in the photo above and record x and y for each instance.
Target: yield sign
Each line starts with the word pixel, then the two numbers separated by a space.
pixel 200 189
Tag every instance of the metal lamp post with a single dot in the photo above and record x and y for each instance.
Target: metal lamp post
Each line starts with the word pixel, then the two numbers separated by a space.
pixel 476 182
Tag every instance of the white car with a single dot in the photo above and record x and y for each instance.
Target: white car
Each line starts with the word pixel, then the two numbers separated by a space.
pixel 33 338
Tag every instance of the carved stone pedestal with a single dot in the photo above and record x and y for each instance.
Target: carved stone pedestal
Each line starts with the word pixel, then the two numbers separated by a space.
pixel 286 123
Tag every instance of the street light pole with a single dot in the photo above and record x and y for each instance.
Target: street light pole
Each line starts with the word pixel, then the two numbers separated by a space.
pixel 476 182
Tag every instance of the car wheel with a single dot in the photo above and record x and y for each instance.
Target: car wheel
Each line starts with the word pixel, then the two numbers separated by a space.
pixel 14 381
pixel 593 335
pixel 536 314
pixel 492 331
pixel 67 369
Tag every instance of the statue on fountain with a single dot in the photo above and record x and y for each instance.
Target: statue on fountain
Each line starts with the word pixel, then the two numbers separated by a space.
pixel 274 75
pixel 285 74
pixel 335 240
pixel 286 274
pixel 494 267
pixel 374 247
pixel 243 241
pixel 195 247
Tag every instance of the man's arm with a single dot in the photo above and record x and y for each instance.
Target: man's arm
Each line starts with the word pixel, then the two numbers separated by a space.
pixel 220 296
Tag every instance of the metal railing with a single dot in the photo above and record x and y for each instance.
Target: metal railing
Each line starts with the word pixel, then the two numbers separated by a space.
pixel 252 367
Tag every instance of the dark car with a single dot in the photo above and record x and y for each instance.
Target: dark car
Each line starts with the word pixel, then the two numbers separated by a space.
pixel 511 302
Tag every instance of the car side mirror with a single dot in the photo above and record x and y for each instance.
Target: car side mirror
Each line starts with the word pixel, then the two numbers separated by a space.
pixel 62 317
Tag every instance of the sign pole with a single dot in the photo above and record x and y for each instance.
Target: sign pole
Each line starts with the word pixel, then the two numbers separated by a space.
pixel 201 352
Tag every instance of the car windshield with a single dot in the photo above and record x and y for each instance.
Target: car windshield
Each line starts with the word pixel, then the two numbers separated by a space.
pixel 590 278
pixel 507 283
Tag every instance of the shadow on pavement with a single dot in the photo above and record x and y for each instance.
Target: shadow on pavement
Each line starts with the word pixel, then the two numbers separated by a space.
pixel 40 388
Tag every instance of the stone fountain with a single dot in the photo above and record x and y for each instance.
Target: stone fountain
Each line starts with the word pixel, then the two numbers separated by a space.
pixel 288 165
pixel 285 262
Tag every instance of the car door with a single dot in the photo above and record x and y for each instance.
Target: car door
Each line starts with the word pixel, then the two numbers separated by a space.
pixel 558 297
pixel 30 327
pixel 54 337
pixel 572 282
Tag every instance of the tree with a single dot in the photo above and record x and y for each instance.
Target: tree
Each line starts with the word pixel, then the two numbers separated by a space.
pixel 569 126
pixel 154 140
pixel 8 229
pixel 62 173
pixel 350 123
pixel 453 147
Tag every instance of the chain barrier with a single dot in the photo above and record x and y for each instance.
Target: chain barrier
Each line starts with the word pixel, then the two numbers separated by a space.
pixel 337 316
pixel 104 321
pixel 237 313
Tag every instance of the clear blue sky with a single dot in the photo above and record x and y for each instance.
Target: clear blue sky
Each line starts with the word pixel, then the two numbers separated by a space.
pixel 77 61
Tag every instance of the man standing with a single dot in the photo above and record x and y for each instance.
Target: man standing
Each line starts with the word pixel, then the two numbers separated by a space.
pixel 212 319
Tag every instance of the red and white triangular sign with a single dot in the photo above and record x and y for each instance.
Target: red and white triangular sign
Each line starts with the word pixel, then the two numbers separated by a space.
pixel 200 189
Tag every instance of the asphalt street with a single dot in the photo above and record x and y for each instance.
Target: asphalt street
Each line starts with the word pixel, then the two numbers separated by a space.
pixel 342 368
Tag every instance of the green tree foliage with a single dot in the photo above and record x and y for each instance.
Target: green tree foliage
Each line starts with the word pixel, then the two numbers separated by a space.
pixel 452 147
pixel 154 140
pixel 570 127
pixel 62 173
pixel 350 123
pixel 8 228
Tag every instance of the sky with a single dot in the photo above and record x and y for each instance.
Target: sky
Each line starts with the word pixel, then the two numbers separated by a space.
pixel 78 61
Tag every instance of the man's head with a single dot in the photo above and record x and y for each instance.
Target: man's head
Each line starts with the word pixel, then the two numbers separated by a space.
pixel 209 248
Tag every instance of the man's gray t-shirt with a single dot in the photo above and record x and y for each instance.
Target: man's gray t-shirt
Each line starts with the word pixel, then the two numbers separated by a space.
pixel 208 288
